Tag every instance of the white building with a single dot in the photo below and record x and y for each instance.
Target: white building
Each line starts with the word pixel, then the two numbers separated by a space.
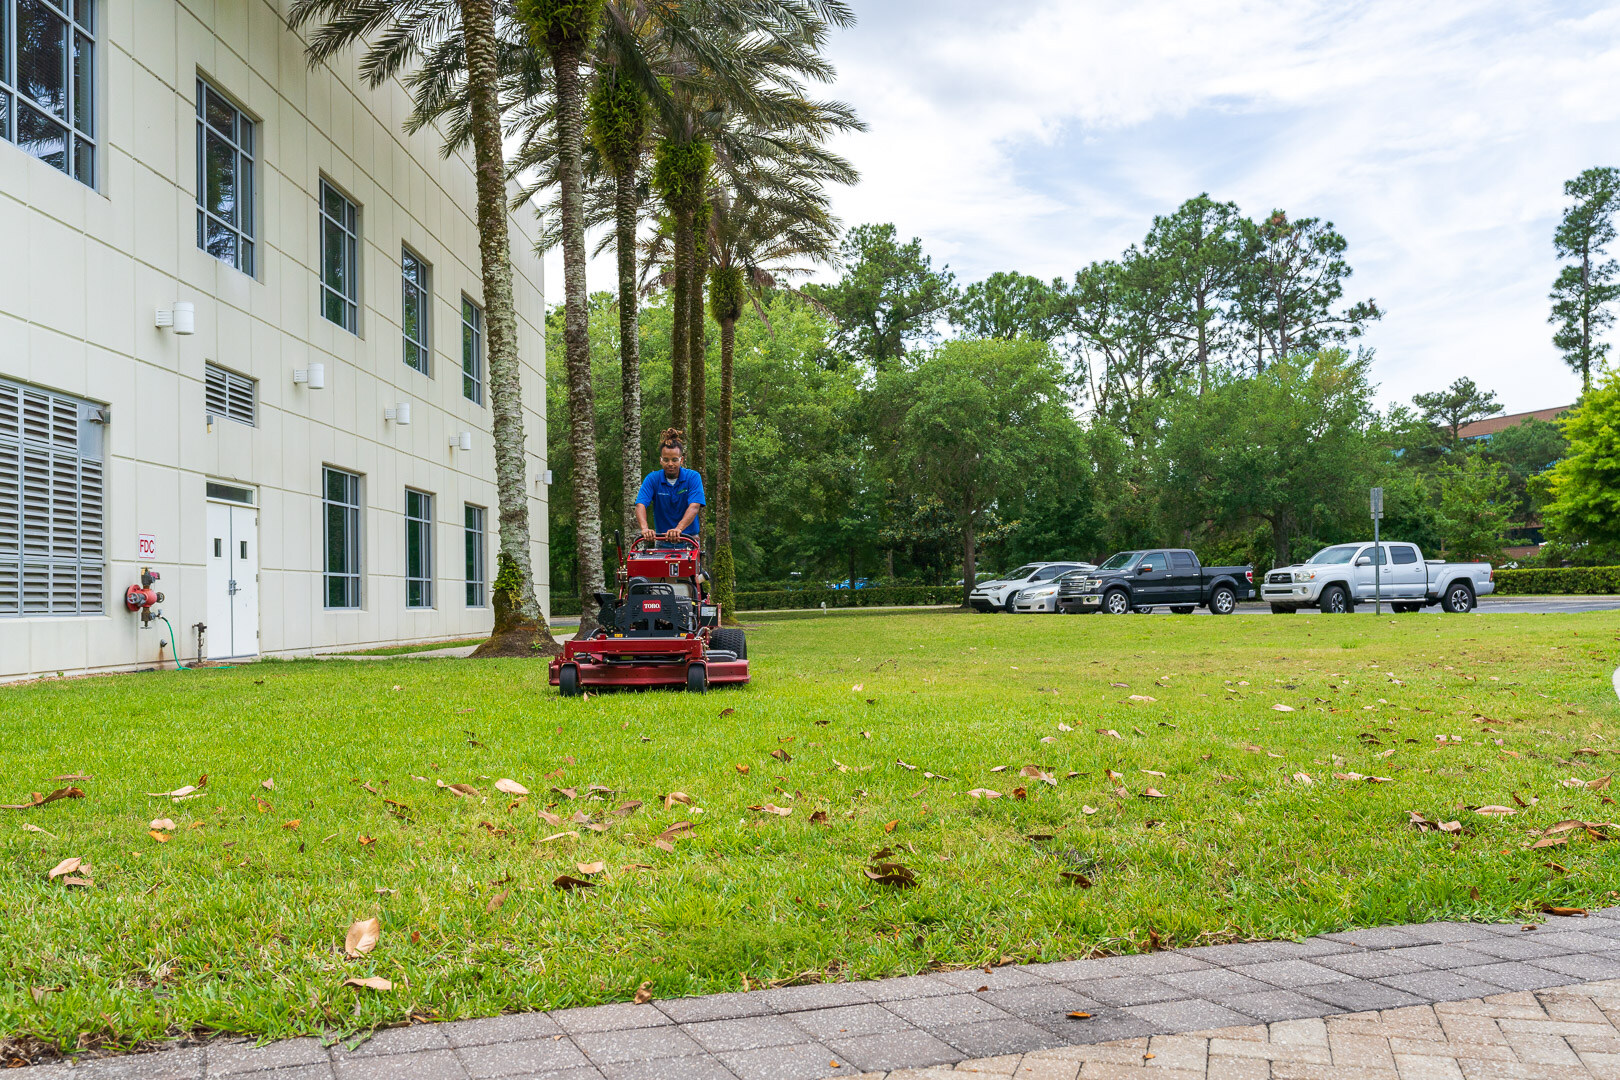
pixel 312 467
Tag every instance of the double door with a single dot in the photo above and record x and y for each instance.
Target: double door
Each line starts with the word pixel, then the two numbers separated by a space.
pixel 233 581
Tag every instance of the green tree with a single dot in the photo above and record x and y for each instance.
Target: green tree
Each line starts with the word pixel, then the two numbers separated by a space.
pixel 1527 450
pixel 1476 508
pixel 889 297
pixel 1289 291
pixel 1121 318
pixel 1585 290
pixel 1201 253
pixel 465 66
pixel 1292 447
pixel 1455 407
pixel 1584 486
pixel 1009 305
pixel 983 426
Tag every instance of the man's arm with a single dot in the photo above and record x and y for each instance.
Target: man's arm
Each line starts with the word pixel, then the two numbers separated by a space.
pixel 686 519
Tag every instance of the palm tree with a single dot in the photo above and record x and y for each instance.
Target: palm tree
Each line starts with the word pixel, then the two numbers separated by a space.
pixel 757 238
pixel 459 55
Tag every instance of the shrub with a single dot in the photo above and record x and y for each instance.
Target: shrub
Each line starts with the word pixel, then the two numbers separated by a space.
pixel 1559 581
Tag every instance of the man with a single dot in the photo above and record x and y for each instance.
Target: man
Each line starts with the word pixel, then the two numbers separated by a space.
pixel 675 494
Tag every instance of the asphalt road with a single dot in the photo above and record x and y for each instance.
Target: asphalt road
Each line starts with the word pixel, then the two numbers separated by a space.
pixel 1489 605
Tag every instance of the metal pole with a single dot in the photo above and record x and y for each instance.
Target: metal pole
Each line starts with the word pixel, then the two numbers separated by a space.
pixel 1378 570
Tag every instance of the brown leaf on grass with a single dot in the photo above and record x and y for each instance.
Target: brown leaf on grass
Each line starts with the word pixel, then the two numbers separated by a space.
pixel 772 808
pixel 161 823
pixel 819 817
pixel 1282 708
pixel 375 982
pixel 366 841
pixel 29 827
pixel 781 755
pixel 1036 773
pixel 511 787
pixel 160 837
pixel 1496 810
pixel 644 992
pixel 1120 685
pixel 891 873
pixel 1304 778
pixel 677 797
pixel 663 845
pixel 1110 732
pixel 565 792
pixel 38 992
pixel 889 827
pixel 460 791
pixel 1451 827
pixel 568 884
pixel 558 836
pixel 625 809
pixel 983 793
pixel 66 866
pixel 676 828
pixel 1153 793
pixel 1088 809
pixel 1019 793
pixel 36 799
pixel 80 881
pixel 589 868
pixel 1074 877
pixel 362 937
pixel 496 901
pixel 743 769
pixel 1550 841
pixel 182 792
pixel 1122 793
pixel 1599 784
pixel 726 712
pixel 74 776
pixel 1549 909
pixel 1153 772
pixel 549 818
pixel 1142 698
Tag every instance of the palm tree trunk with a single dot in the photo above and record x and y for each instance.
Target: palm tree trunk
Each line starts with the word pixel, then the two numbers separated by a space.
pixel 576 338
pixel 520 627
pixel 629 343
pixel 725 567
pixel 697 409
pixel 679 301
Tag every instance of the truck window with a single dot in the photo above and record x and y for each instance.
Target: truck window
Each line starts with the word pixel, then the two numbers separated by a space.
pixel 1182 561
pixel 1403 554
pixel 1339 553
pixel 1118 561
pixel 1154 562
pixel 1376 554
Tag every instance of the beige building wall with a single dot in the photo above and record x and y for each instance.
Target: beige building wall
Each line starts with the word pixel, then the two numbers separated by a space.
pixel 83 270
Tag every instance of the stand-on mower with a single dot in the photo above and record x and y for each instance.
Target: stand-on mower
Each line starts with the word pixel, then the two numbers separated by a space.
pixel 662 629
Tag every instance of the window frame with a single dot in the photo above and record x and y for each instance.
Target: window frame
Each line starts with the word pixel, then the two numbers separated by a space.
pixel 243 143
pixel 351 576
pixel 348 227
pixel 475 536
pixel 419 584
pixel 80 104
pixel 473 325
pixel 422 344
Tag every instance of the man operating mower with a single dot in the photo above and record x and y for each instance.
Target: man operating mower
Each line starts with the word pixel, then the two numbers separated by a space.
pixel 675 493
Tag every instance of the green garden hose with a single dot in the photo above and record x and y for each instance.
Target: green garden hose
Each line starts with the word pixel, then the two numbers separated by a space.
pixel 178 666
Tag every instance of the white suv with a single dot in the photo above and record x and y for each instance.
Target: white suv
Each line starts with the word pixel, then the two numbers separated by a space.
pixel 1000 594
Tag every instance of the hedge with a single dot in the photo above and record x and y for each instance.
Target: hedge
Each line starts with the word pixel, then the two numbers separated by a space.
pixel 814 597
pixel 1559 581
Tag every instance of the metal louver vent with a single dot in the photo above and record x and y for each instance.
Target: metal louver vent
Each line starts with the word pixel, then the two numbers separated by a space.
pixel 231 396
pixel 52 505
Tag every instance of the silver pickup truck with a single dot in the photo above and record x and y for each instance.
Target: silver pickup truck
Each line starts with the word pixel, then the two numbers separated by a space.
pixel 1338 578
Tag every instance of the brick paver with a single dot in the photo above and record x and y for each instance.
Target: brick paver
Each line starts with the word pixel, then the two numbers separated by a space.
pixel 1460 1001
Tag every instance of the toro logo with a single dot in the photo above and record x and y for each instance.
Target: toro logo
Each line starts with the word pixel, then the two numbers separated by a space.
pixel 652 605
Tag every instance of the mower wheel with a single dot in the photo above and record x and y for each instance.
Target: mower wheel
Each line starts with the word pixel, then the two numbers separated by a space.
pixel 731 640
pixel 568 680
pixel 697 678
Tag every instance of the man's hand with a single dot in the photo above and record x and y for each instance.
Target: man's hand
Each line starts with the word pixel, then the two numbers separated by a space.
pixel 649 534
pixel 673 534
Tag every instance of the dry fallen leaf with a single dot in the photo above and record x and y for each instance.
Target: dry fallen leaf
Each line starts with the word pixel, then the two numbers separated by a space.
pixel 1282 708
pixel 511 787
pixel 743 769
pixel 558 836
pixel 1495 810
pixel 1109 732
pixel 549 818
pixel 1080 1016
pixel 644 992
pixel 1153 793
pixel 589 868
pixel 781 755
pixel 1142 697
pixel 1074 877
pixel 362 937
pixel 376 982
pixel 27 827
pixel 36 799
pixel 1303 778
pixel 772 808
pixel 460 791
pixel 268 785
pixel 819 817
pixel 983 793
pixel 677 797
pixel 497 900
pixel 891 873
pixel 567 884
pixel 66 866
pixel 162 838
pixel 162 823
pixel 663 845
pixel 1551 910
pixel 1087 809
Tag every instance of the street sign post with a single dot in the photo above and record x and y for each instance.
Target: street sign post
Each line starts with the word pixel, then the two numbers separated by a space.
pixel 1377 503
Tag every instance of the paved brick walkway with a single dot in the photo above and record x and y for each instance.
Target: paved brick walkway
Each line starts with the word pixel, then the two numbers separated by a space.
pixel 1391 980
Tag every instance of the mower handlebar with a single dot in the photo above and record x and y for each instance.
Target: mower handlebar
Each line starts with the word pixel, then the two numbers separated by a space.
pixel 641 543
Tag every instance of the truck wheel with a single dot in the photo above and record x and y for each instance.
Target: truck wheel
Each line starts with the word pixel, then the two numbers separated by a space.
pixel 731 640
pixel 697 678
pixel 1143 610
pixel 1116 602
pixel 1335 600
pixel 568 680
pixel 1282 609
pixel 1223 601
pixel 1459 598
pixel 1404 609
pixel 1183 609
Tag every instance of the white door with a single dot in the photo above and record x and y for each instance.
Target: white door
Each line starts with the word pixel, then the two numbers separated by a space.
pixel 233 581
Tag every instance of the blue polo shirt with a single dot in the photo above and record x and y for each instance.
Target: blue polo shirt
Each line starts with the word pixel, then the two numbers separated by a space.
pixel 670 498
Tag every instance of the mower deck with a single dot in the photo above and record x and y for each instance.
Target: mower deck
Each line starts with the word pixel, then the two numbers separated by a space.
pixel 643 662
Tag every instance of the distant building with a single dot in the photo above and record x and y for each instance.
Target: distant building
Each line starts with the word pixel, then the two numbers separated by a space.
pixel 1484 429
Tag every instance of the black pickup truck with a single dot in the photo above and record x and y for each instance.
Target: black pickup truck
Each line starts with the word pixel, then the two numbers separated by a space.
pixel 1163 577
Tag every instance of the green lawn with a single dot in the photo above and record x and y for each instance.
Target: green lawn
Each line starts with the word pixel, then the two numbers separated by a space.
pixel 237 922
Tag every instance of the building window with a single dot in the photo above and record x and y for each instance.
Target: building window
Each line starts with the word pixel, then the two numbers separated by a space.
pixel 341 502
pixel 418 549
pixel 414 317
pixel 231 396
pixel 340 259
pixel 47 82
pixel 472 351
pixel 225 180
pixel 53 550
pixel 477 582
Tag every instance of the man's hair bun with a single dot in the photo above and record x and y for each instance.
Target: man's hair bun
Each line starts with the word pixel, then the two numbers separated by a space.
pixel 673 437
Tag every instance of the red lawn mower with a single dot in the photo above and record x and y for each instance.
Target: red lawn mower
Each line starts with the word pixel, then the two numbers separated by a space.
pixel 662 629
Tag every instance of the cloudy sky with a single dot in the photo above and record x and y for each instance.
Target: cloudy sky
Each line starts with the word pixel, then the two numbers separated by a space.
pixel 1039 135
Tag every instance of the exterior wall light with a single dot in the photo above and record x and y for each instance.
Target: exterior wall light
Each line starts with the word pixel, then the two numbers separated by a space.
pixel 399 413
pixel 462 441
pixel 313 376
pixel 181 317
